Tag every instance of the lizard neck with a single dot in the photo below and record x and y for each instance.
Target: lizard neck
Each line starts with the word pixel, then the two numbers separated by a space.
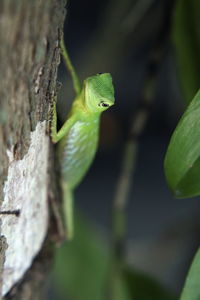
pixel 80 107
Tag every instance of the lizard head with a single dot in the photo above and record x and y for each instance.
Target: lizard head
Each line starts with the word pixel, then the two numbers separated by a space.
pixel 99 92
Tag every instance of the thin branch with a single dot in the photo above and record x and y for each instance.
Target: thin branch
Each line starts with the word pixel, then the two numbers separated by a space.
pixel 138 123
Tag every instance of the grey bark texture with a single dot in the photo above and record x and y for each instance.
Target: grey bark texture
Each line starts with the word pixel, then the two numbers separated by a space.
pixel 29 57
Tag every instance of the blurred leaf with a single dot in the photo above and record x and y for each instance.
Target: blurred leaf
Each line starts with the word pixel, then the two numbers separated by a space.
pixel 119 289
pixel 182 161
pixel 186 35
pixel 82 269
pixel 142 287
pixel 191 290
pixel 81 265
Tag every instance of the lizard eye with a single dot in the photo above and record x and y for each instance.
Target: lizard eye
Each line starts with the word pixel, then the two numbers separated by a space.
pixel 103 104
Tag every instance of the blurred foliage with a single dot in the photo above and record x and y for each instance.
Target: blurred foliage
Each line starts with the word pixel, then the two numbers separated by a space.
pixel 144 287
pixel 81 264
pixel 82 271
pixel 191 290
pixel 182 161
pixel 186 35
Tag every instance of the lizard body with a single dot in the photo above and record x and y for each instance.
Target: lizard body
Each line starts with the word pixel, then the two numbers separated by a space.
pixel 80 133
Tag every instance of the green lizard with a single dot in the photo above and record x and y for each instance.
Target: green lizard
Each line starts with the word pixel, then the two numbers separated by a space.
pixel 80 133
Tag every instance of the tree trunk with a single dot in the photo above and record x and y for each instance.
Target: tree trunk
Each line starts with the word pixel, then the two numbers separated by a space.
pixel 29 57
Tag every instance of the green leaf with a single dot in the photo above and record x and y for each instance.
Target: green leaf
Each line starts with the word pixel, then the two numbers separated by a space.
pixel 191 290
pixel 186 36
pixel 182 161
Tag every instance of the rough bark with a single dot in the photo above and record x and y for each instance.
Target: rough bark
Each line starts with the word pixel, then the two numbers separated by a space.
pixel 29 57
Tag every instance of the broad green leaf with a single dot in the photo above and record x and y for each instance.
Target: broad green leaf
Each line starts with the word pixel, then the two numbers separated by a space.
pixel 191 290
pixel 186 35
pixel 182 161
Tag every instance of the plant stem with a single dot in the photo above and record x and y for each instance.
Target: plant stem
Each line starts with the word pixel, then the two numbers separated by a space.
pixel 70 67
pixel 131 147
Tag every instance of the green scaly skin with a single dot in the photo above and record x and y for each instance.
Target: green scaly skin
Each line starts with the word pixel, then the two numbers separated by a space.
pixel 80 133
